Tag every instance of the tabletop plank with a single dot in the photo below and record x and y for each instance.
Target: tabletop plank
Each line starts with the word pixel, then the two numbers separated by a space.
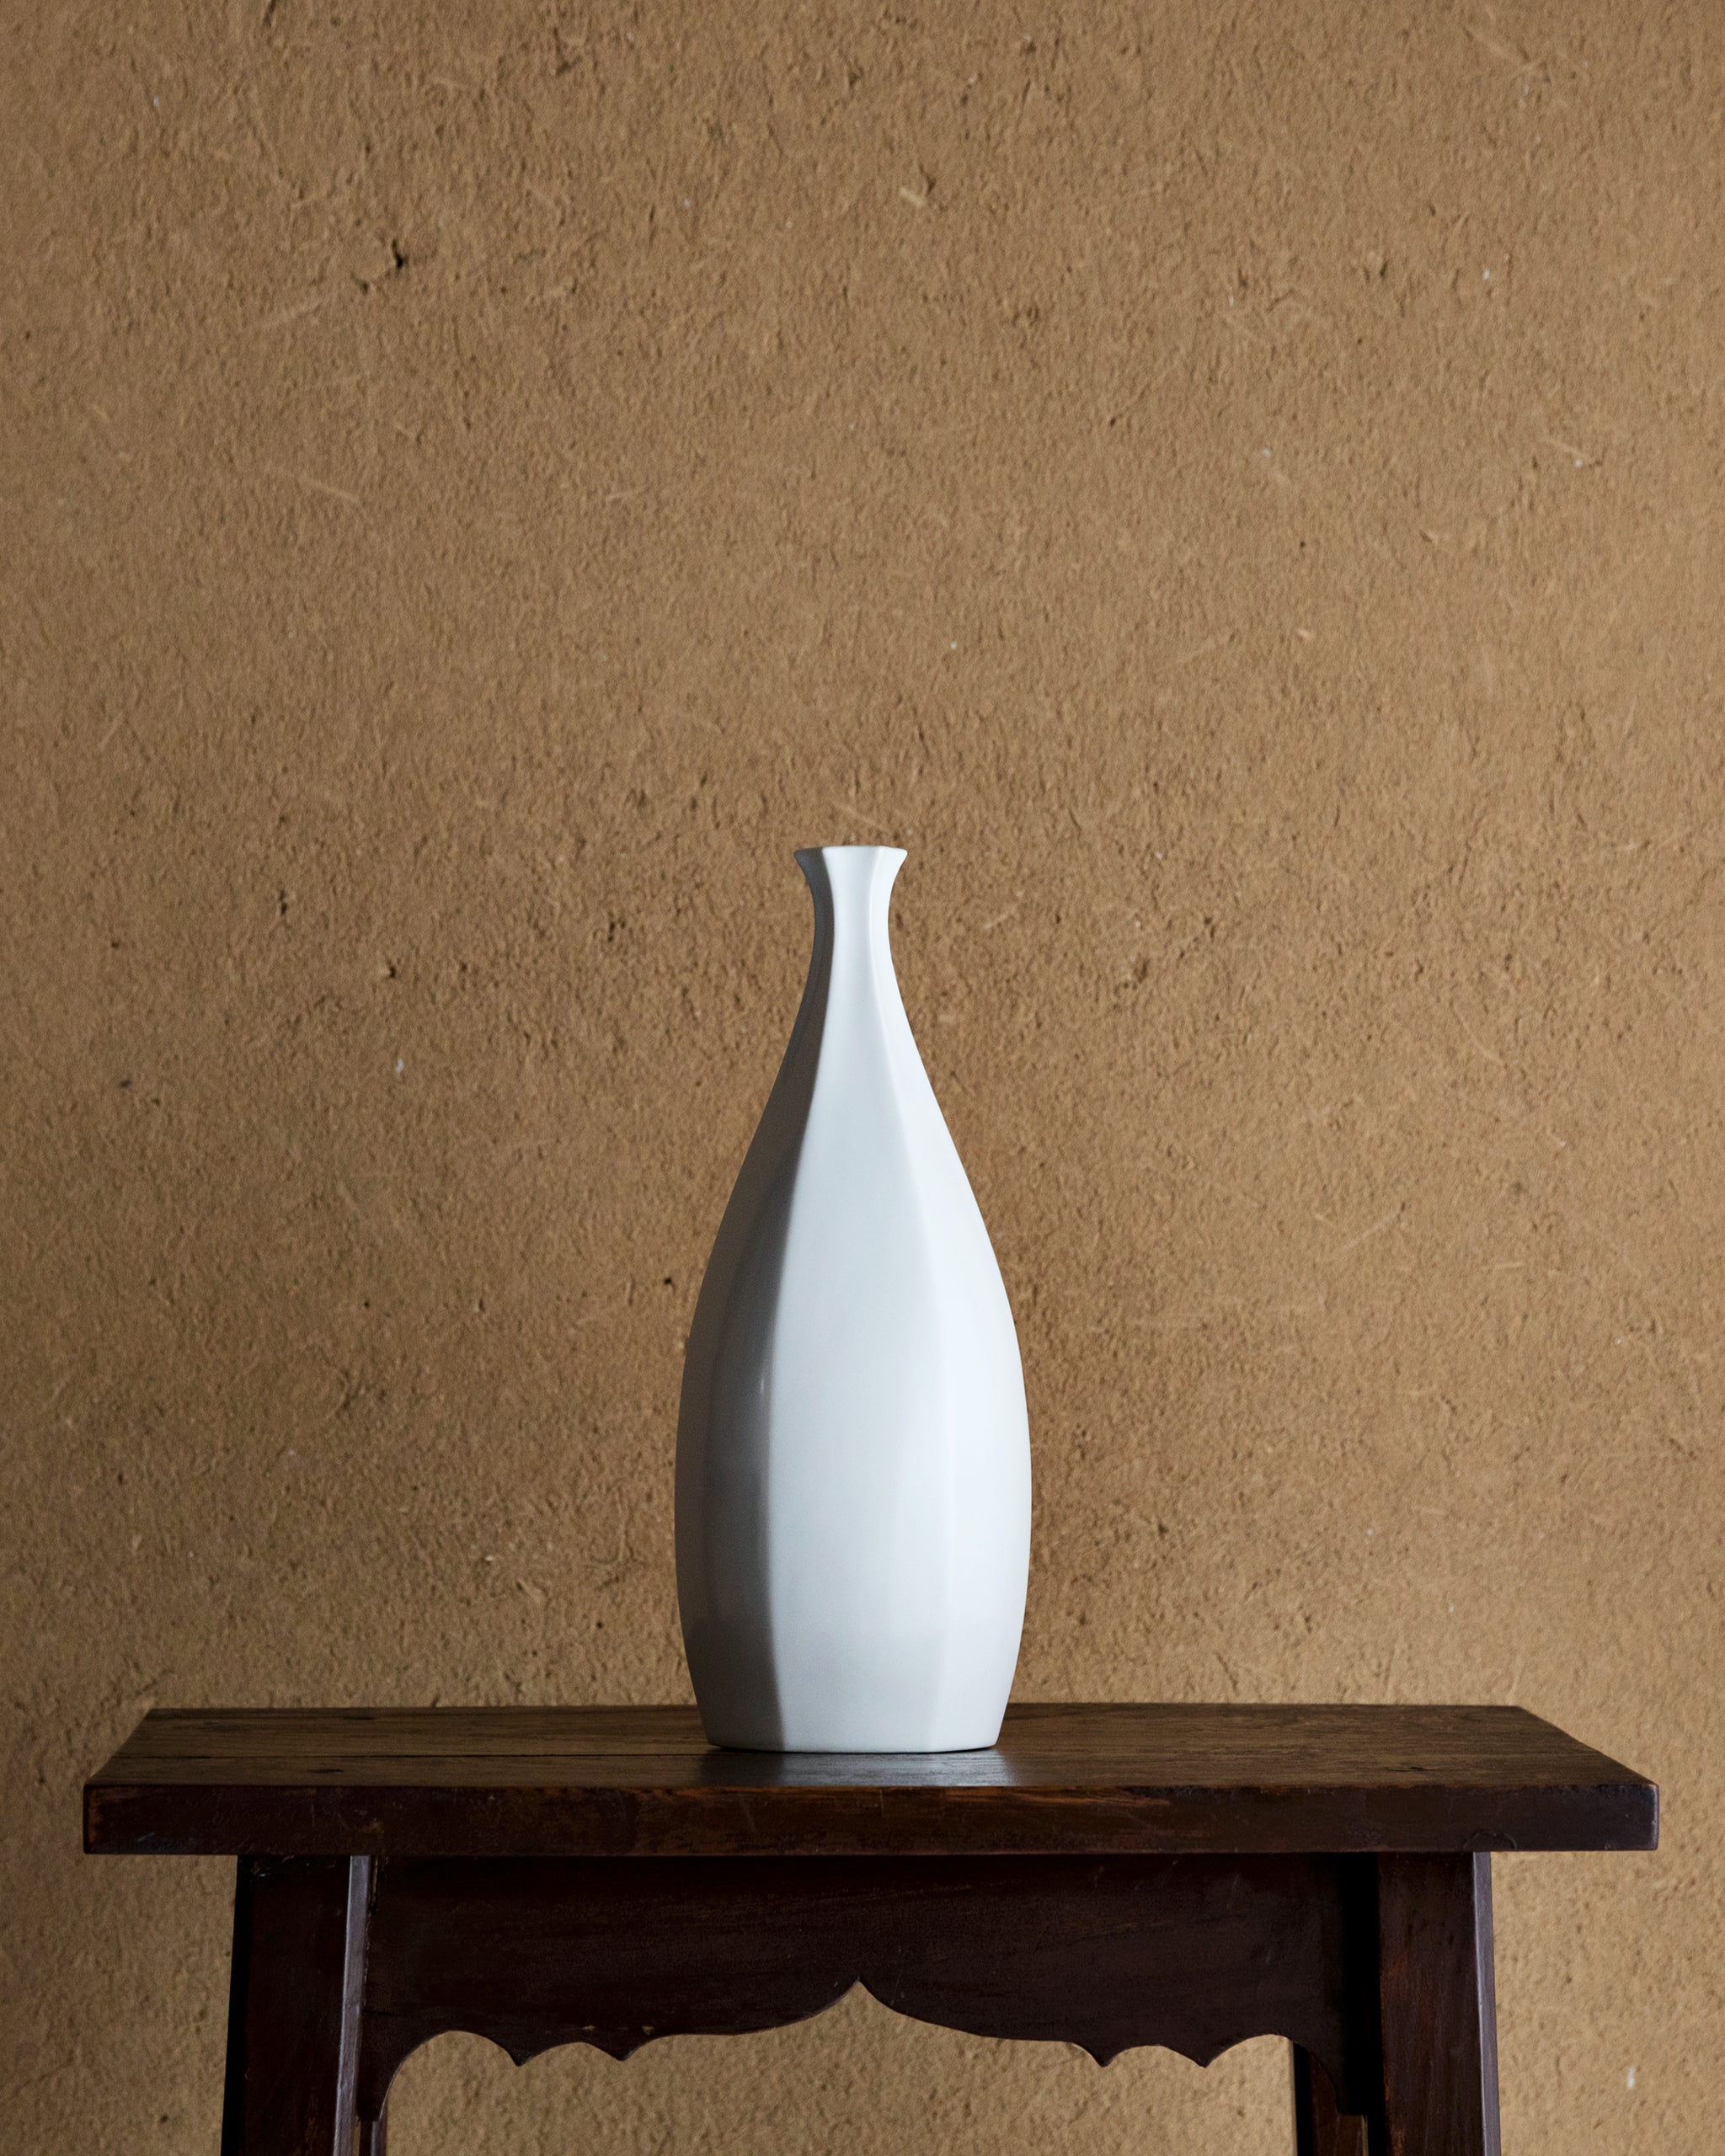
pixel 1079 1779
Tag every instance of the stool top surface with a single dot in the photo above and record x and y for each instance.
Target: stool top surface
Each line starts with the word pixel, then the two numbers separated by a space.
pixel 1069 1779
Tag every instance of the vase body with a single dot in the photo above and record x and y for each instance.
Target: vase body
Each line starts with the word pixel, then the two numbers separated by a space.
pixel 853 1459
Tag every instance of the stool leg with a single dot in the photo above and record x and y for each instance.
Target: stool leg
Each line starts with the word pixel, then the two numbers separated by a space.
pixel 1438 2006
pixel 373 2134
pixel 1319 2128
pixel 293 2011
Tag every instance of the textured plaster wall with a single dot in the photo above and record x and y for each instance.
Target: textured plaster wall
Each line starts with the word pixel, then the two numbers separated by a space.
pixel 1236 492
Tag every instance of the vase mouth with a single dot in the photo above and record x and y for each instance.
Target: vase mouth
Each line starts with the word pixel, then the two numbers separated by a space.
pixel 805 854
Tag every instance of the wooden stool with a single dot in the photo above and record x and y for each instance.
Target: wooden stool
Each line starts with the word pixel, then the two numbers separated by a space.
pixel 1108 1876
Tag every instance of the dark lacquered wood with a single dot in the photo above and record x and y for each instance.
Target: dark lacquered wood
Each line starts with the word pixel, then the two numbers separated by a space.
pixel 1108 1876
pixel 1321 2126
pixel 1195 1953
pixel 295 1994
pixel 1096 1779
pixel 1438 2006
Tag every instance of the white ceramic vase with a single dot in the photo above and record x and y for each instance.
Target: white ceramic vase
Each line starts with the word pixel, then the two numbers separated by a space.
pixel 853 1460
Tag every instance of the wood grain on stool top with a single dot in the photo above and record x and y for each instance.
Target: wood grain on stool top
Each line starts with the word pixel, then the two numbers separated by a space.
pixel 1078 1780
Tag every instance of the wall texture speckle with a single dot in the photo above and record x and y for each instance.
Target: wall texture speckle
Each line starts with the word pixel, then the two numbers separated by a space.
pixel 1236 492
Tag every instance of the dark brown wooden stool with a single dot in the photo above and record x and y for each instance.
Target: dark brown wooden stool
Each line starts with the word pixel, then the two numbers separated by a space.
pixel 1109 1875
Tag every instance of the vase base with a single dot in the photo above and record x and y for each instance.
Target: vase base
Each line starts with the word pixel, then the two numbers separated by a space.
pixel 849 1751
pixel 865 1737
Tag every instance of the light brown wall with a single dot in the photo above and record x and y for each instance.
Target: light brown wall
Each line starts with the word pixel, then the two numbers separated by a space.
pixel 1236 493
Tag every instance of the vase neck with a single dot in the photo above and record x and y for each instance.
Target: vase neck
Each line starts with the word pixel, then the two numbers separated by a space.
pixel 852 887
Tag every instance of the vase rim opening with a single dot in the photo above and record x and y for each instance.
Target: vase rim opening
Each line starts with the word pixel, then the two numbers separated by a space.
pixel 816 852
